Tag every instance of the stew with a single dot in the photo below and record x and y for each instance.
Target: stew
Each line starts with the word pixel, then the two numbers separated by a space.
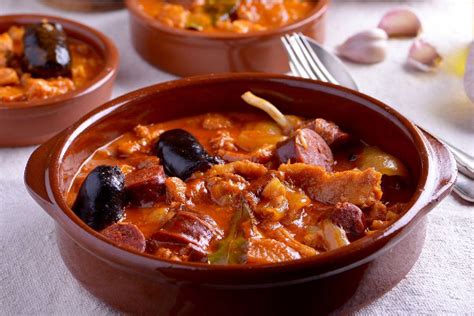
pixel 40 61
pixel 228 15
pixel 242 188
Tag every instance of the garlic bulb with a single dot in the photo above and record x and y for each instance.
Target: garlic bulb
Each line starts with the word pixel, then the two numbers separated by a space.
pixel 469 74
pixel 367 47
pixel 400 22
pixel 423 56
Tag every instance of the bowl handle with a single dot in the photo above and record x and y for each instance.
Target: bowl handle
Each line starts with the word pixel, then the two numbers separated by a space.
pixel 37 173
pixel 444 167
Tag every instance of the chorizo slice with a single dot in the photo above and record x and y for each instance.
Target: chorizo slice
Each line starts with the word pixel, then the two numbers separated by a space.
pixel 350 218
pixel 306 146
pixel 146 185
pixel 125 235
pixel 188 228
pixel 332 134
pixel 176 252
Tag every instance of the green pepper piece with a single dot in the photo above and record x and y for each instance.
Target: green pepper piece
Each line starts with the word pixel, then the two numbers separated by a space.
pixel 233 248
pixel 220 9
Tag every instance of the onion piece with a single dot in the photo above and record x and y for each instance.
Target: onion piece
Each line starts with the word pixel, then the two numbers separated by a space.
pixel 423 56
pixel 367 47
pixel 268 108
pixel 334 235
pixel 400 22
pixel 469 74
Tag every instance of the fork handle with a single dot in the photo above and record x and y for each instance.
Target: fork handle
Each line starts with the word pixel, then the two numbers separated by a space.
pixel 465 162
pixel 464 187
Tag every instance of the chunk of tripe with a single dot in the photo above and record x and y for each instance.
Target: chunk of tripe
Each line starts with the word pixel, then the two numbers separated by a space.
pixel 245 168
pixel 362 188
pixel 8 76
pixel 6 43
pixel 263 250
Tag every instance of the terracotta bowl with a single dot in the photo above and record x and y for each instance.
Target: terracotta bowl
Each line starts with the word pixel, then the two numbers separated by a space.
pixel 33 122
pixel 339 281
pixel 185 53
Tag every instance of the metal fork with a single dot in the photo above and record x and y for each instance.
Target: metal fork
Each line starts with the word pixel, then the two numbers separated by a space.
pixel 305 63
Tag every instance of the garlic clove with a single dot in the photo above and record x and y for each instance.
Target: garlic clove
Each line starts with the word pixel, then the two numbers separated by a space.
pixel 400 22
pixel 469 74
pixel 366 47
pixel 423 56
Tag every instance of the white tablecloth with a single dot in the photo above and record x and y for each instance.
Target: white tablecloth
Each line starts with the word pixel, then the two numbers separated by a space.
pixel 33 279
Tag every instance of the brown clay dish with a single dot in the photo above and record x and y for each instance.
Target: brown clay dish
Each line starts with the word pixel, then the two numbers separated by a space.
pixel 185 52
pixel 340 281
pixel 86 5
pixel 34 121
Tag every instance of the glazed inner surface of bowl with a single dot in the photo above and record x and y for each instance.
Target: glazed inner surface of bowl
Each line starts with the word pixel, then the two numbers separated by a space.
pixel 359 116
pixel 99 43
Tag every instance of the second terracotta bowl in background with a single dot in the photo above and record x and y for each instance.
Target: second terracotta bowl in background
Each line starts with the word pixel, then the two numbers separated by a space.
pixel 185 53
pixel 33 122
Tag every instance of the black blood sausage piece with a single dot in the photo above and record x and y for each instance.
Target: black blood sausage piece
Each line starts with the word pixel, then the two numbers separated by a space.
pixel 181 154
pixel 46 53
pixel 186 227
pixel 100 201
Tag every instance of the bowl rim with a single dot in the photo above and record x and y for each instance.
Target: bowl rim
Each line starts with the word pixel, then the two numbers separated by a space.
pixel 318 11
pixel 110 56
pixel 421 199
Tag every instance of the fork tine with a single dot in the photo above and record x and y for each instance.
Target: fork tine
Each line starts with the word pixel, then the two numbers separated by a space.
pixel 295 65
pixel 316 59
pixel 293 69
pixel 309 61
pixel 301 60
pixel 299 66
pixel 306 58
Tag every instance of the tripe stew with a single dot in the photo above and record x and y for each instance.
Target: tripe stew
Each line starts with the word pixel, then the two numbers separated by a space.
pixel 228 16
pixel 39 61
pixel 239 188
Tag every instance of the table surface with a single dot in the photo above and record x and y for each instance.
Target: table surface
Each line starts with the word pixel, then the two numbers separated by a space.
pixel 35 281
